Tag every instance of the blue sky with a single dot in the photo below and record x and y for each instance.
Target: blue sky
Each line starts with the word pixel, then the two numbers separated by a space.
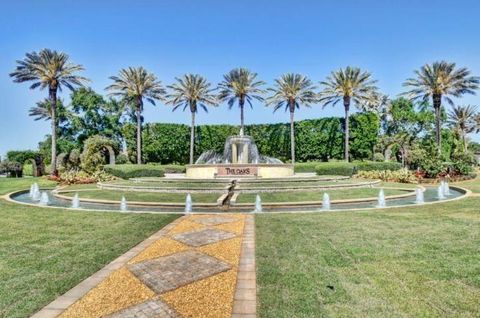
pixel 173 37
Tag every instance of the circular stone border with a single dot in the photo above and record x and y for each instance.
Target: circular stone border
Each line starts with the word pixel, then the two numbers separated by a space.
pixel 9 198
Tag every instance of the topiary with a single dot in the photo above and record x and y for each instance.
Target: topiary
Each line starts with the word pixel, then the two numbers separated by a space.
pixel 93 155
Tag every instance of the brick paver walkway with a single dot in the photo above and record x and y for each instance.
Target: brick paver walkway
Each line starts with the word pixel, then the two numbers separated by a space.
pixel 197 266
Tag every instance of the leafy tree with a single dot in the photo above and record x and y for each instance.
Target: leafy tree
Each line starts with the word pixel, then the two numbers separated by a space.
pixel 291 91
pixel 133 85
pixel 191 91
pixel 93 115
pixel 240 85
pixel 462 120
pixel 347 85
pixel 52 70
pixel 438 81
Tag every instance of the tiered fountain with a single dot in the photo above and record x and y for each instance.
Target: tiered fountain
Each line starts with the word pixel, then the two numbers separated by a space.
pixel 240 158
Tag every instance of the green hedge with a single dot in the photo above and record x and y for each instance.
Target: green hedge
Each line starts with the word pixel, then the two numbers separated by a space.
pixel 174 168
pixel 378 166
pixel 135 171
pixel 336 168
pixel 316 139
pixel 351 168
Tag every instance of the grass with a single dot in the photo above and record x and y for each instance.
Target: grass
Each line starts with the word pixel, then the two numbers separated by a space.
pixel 298 196
pixel 421 261
pixel 44 253
pixel 116 195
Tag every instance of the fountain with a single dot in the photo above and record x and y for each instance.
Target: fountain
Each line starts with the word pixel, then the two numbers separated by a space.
pixel 188 204
pixel 240 158
pixel 446 188
pixel 419 199
pixel 440 192
pixel 381 199
pixel 44 200
pixel 35 192
pixel 326 202
pixel 123 204
pixel 76 201
pixel 258 204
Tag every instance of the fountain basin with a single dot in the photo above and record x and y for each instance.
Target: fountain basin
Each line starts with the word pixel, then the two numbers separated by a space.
pixel 248 170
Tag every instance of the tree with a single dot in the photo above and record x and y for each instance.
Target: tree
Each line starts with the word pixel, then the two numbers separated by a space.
pixel 93 115
pixel 52 70
pixel 291 91
pixel 462 119
pixel 347 85
pixel 133 85
pixel 191 91
pixel 240 85
pixel 440 81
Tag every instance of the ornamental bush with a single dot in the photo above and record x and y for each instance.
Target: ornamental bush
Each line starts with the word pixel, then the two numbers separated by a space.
pixel 94 152
pixel 336 168
pixel 128 171
pixel 403 175
pixel 377 166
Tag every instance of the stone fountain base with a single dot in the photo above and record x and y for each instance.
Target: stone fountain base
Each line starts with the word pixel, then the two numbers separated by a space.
pixel 248 170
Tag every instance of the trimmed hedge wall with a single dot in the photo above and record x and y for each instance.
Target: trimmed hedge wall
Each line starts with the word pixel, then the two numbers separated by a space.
pixel 351 168
pixel 336 168
pixel 135 171
pixel 316 139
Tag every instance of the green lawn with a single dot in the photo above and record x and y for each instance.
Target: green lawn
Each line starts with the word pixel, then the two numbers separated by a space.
pixel 44 253
pixel 116 195
pixel 298 196
pixel 421 261
pixel 312 183
pixel 179 185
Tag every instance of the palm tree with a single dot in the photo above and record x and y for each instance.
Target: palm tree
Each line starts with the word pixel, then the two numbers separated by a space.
pixel 240 84
pixel 347 85
pixel 52 70
pixel 191 91
pixel 291 91
pixel 462 119
pixel 133 85
pixel 437 81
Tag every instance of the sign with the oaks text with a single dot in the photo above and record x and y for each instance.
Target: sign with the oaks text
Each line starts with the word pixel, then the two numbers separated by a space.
pixel 237 171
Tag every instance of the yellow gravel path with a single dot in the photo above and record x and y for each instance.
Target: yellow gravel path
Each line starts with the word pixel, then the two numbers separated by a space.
pixel 209 297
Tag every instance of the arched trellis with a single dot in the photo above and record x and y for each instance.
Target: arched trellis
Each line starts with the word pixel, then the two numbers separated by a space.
pixel 93 152
pixel 111 154
pixel 32 157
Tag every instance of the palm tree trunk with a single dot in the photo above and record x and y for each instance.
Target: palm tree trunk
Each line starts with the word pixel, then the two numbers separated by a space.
pixel 465 142
pixel 242 116
pixel 53 101
pixel 292 136
pixel 437 104
pixel 139 131
pixel 346 104
pixel 192 137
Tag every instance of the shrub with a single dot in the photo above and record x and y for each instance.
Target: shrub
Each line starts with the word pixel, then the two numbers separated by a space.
pixel 93 157
pixel 463 163
pixel 377 166
pixel 307 166
pixel 336 168
pixel 14 169
pixel 122 159
pixel 403 175
pixel 128 171
pixel 81 177
pixel 174 168
pixel 378 157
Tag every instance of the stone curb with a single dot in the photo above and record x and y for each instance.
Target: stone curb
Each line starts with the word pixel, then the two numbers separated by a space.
pixel 245 299
pixel 60 304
